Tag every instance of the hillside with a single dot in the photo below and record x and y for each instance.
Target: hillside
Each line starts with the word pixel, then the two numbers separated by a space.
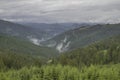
pixel 12 60
pixel 93 55
pixel 102 52
pixel 98 61
pixel 82 36
pixel 25 32
pixel 10 44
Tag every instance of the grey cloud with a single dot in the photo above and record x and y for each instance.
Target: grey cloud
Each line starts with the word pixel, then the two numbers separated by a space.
pixel 60 10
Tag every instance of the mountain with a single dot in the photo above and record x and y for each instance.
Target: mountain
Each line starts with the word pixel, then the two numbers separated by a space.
pixel 36 32
pixel 9 44
pixel 102 52
pixel 82 36
pixel 29 33
pixel 54 28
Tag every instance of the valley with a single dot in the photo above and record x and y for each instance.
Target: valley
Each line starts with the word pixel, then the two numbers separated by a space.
pixel 59 39
pixel 82 36
pixel 81 52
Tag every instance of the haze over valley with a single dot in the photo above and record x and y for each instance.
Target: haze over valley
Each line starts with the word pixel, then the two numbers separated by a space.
pixel 59 40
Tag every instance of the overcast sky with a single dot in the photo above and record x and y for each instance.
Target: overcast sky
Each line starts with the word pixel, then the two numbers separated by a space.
pixel 52 11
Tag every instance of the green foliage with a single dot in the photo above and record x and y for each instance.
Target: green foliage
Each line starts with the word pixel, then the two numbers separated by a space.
pixel 58 72
pixel 17 61
pixel 103 52
pixel 21 60
pixel 10 44
pixel 86 35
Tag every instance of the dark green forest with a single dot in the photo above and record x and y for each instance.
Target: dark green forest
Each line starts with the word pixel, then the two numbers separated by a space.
pixel 93 54
pixel 98 61
pixel 102 52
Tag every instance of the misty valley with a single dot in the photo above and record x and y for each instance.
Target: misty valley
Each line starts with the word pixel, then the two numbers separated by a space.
pixel 59 52
pixel 59 39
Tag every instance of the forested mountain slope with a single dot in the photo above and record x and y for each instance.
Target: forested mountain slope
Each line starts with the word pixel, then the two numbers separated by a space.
pixel 102 52
pixel 24 32
pixel 16 45
pixel 83 36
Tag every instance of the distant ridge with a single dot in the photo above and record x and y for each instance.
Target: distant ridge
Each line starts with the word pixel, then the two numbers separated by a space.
pixel 83 36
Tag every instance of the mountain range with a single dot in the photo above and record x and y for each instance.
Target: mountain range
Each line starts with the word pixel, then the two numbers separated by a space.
pixel 82 36
pixel 61 37
pixel 35 32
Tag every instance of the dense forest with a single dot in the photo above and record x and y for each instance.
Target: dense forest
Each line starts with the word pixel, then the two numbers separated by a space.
pixel 98 61
pixel 58 72
pixel 102 52
pixel 59 39
pixel 89 57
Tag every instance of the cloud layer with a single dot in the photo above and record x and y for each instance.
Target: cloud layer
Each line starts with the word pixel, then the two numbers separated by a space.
pixel 50 11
